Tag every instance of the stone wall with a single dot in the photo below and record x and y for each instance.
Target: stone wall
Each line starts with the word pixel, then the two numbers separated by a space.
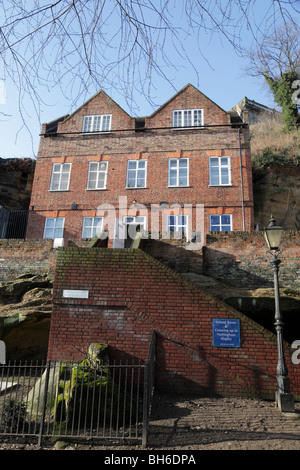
pixel 242 258
pixel 18 257
pixel 175 252
pixel 31 256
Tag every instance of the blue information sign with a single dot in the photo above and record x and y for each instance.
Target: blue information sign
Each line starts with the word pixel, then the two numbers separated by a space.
pixel 226 333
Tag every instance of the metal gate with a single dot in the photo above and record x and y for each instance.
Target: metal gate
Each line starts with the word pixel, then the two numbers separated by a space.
pixel 13 224
pixel 4 216
pixel 78 400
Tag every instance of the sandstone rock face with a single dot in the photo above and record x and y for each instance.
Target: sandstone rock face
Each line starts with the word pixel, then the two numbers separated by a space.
pixel 16 177
pixel 26 307
pixel 257 304
pixel 23 285
pixel 277 192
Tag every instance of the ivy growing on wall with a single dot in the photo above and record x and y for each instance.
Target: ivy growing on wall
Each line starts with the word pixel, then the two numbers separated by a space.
pixel 282 91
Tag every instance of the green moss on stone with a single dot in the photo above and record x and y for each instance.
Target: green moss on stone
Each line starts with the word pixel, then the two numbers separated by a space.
pixel 88 396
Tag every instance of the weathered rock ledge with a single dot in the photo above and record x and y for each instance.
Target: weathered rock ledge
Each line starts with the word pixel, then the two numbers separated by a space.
pixel 257 304
pixel 26 307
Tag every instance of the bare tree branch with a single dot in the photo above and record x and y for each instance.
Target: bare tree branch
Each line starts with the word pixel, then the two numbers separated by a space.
pixel 276 54
pixel 83 45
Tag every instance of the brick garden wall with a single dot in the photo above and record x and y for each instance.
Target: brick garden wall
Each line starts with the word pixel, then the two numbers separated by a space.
pixel 19 257
pixel 243 258
pixel 36 257
pixel 130 295
pixel 174 252
pixel 240 257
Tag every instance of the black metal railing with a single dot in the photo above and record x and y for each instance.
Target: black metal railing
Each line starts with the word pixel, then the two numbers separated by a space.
pixel 13 224
pixel 4 216
pixel 78 400
pixel 149 385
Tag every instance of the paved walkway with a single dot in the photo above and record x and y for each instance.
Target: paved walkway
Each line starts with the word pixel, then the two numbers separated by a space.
pixel 222 424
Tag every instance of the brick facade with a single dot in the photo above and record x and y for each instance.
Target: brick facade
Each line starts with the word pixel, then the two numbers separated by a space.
pixel 130 295
pixel 157 141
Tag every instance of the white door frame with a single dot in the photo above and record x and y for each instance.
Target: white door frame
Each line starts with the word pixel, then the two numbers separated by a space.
pixel 120 233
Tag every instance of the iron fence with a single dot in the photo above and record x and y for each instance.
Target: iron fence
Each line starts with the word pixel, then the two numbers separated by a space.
pixel 77 400
pixel 149 384
pixel 13 224
pixel 4 216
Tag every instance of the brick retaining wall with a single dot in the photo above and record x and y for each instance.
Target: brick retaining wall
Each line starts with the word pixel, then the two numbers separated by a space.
pixel 19 257
pixel 30 256
pixel 130 294
pixel 243 258
pixel 174 252
pixel 239 257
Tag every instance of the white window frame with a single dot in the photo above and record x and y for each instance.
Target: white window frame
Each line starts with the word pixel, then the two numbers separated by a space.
pixel 136 169
pixel 54 229
pixel 60 170
pixel 219 166
pixel 98 171
pixel 96 123
pixel 178 226
pixel 177 169
pixel 135 220
pixel 181 118
pixel 220 224
pixel 93 226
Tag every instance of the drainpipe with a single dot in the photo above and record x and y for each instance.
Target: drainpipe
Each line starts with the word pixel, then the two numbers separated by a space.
pixel 242 184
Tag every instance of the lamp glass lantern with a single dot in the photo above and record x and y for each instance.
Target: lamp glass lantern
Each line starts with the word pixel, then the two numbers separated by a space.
pixel 273 235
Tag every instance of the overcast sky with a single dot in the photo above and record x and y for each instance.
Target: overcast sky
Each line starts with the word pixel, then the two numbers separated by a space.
pixel 220 75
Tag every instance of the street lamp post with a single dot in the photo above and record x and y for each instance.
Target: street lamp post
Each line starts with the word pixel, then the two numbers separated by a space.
pixel 284 398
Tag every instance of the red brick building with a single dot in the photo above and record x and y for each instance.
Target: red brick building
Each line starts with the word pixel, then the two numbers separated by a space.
pixel 185 168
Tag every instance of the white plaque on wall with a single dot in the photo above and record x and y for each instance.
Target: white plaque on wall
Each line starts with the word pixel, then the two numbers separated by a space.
pixel 76 294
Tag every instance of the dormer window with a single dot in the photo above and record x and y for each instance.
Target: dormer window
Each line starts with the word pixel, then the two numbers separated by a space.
pixel 188 118
pixel 97 123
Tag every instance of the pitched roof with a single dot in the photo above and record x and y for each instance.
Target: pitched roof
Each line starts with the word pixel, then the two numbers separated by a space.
pixel 68 116
pixel 181 91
